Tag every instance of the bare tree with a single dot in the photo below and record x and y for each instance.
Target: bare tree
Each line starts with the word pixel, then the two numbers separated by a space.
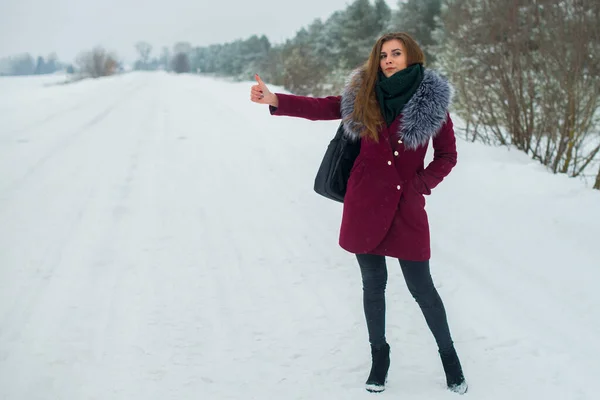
pixel 96 63
pixel 144 49
pixel 528 75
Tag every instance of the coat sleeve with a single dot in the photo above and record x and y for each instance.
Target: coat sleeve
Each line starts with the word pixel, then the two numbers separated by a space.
pixel 313 108
pixel 444 159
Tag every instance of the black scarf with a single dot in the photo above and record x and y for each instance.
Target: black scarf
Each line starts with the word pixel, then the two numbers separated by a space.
pixel 394 92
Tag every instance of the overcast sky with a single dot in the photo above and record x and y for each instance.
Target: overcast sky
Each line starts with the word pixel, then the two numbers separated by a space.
pixel 69 26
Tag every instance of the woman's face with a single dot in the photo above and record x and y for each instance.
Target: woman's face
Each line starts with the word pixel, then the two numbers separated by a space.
pixel 392 57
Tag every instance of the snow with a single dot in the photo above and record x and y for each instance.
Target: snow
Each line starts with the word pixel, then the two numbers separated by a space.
pixel 160 239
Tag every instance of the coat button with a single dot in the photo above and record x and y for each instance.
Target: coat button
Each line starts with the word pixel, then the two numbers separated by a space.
pixel 389 163
pixel 398 187
pixel 396 153
pixel 400 141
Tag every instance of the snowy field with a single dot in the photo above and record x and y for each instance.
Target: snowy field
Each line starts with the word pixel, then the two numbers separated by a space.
pixel 160 239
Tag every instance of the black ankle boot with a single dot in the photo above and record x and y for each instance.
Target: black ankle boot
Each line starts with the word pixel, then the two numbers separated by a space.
pixel 379 368
pixel 455 378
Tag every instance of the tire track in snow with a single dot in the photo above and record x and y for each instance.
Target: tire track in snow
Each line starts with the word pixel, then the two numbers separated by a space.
pixel 52 291
pixel 62 144
pixel 87 103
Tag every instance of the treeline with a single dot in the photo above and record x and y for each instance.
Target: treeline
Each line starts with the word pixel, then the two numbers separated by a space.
pixel 526 72
pixel 316 61
pixel 26 64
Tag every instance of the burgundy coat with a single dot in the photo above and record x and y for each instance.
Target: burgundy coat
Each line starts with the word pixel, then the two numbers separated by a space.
pixel 384 207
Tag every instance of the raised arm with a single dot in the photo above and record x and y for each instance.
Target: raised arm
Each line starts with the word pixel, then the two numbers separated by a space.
pixel 313 108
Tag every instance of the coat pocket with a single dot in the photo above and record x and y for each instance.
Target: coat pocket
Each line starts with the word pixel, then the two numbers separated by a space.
pixel 411 195
pixel 418 185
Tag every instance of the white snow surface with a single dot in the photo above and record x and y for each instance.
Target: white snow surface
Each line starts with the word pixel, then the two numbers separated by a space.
pixel 160 239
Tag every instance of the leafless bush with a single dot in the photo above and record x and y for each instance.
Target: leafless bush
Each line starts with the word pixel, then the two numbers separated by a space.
pixel 96 63
pixel 527 73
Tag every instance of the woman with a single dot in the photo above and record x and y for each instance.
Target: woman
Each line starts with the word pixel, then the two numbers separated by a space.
pixel 394 106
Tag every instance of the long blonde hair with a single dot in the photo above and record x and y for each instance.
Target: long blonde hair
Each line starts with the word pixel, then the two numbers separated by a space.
pixel 366 108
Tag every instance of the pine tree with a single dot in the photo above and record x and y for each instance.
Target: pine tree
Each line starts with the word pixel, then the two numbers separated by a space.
pixel 383 16
pixel 40 66
pixel 52 63
pixel 360 30
pixel 418 19
pixel 22 64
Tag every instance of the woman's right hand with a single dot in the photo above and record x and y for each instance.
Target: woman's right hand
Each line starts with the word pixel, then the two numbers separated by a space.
pixel 261 94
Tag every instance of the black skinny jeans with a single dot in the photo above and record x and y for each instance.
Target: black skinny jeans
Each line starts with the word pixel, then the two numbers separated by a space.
pixel 418 279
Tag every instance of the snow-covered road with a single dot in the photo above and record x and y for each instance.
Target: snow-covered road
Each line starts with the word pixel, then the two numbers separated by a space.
pixel 160 239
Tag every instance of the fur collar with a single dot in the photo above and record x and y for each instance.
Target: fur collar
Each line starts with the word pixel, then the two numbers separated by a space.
pixel 422 117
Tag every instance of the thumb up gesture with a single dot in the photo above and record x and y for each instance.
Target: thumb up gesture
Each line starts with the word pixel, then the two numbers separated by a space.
pixel 261 94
